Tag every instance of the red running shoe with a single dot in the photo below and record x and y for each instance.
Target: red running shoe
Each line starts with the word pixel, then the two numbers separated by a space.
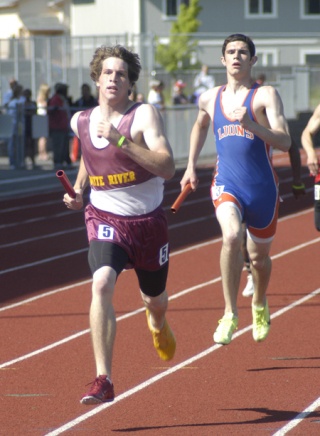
pixel 101 391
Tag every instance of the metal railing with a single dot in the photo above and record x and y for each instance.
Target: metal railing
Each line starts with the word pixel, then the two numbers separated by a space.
pixel 178 122
pixel 51 59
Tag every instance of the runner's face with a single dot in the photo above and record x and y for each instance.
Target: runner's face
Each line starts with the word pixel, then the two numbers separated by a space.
pixel 114 80
pixel 237 57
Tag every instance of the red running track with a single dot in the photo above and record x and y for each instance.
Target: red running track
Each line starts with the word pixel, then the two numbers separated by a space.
pixel 244 388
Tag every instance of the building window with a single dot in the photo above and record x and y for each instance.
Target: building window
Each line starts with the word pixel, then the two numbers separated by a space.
pixel 171 8
pixel 267 57
pixel 310 58
pixel 313 59
pixel 82 2
pixel 261 8
pixel 310 8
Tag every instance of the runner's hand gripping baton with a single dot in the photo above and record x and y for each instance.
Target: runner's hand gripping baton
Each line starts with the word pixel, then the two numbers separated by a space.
pixel 66 183
pixel 181 197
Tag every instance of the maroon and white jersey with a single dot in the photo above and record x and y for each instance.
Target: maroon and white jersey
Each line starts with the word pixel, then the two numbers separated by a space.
pixel 118 184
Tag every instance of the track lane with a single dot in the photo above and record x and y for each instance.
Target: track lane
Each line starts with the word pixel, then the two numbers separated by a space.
pixel 138 326
pixel 194 399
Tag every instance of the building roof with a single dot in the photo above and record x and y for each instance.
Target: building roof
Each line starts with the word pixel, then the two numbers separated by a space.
pixel 48 23
pixel 8 3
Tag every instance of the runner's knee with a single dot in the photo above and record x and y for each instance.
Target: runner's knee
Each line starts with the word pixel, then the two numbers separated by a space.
pixel 259 262
pixel 103 282
pixel 154 304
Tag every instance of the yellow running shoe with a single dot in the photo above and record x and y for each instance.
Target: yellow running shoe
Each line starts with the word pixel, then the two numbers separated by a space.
pixel 260 322
pixel 163 340
pixel 226 326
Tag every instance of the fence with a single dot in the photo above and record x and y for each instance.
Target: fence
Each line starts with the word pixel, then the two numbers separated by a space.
pixel 36 60
pixel 178 122
pixel 40 59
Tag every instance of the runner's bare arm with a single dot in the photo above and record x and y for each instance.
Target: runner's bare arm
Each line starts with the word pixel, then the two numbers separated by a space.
pixel 309 131
pixel 197 139
pixel 151 148
pixel 272 126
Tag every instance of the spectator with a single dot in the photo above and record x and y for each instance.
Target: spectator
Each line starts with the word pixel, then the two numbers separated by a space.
pixel 42 103
pixel 155 96
pixel 261 79
pixel 30 109
pixel 59 122
pixel 178 95
pixel 8 95
pixel 136 96
pixel 140 98
pixel 202 82
pixel 133 93
pixel 86 101
pixel 15 143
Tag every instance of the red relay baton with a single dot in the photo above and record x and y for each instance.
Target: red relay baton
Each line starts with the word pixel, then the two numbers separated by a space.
pixel 66 183
pixel 181 197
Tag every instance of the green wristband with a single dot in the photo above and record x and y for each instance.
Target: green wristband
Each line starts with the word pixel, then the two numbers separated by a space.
pixel 302 186
pixel 121 141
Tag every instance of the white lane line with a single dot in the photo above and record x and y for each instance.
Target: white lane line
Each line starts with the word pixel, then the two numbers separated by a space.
pixel 298 419
pixel 83 332
pixel 45 294
pixel 184 292
pixel 42 261
pixel 172 226
pixel 188 202
pixel 130 314
pixel 39 238
pixel 71 253
pixel 191 248
pixel 28 206
pixel 65 288
pixel 35 220
pixel 168 372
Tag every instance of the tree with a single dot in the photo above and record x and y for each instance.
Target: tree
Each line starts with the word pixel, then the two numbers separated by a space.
pixel 176 55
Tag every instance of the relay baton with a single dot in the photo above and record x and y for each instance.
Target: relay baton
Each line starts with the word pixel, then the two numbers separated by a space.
pixel 66 183
pixel 181 197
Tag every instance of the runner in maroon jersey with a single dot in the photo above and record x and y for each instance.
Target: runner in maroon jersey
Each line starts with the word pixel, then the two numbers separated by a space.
pixel 125 159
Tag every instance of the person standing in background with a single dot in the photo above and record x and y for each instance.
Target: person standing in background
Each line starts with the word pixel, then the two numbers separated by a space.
pixel 86 101
pixel 202 82
pixel 140 98
pixel 155 96
pixel 42 103
pixel 30 109
pixel 59 123
pixel 15 108
pixel 178 94
pixel 8 95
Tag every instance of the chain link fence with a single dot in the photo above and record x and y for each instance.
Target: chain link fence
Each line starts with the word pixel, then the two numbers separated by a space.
pixel 37 60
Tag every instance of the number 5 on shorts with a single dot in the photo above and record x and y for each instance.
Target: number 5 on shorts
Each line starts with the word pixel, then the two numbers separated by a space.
pixel 164 254
pixel 105 232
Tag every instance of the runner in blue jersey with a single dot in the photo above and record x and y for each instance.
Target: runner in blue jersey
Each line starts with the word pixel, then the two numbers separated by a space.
pixel 248 121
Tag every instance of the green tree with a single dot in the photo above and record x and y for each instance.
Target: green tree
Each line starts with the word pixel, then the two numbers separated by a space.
pixel 176 55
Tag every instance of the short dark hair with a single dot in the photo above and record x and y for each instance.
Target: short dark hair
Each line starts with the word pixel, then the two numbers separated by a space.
pixel 117 51
pixel 240 37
